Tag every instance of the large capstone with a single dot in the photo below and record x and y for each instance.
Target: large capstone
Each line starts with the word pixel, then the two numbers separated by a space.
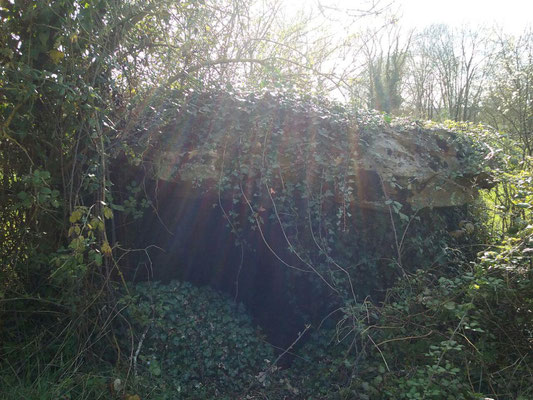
pixel 215 135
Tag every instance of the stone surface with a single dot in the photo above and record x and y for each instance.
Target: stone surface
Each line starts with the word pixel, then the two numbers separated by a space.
pixel 400 161
pixel 420 167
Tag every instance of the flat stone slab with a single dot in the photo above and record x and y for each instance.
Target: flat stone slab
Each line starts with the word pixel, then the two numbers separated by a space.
pixel 382 161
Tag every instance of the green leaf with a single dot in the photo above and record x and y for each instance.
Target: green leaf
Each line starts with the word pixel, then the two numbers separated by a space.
pixel 108 213
pixel 43 38
pixel 98 259
pixel 75 216
pixel 450 305
pixel 118 207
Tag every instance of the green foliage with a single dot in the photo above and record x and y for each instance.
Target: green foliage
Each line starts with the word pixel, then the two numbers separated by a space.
pixel 57 385
pixel 87 84
pixel 462 330
pixel 462 337
pixel 70 94
pixel 507 104
pixel 197 344
pixel 135 204
pixel 291 161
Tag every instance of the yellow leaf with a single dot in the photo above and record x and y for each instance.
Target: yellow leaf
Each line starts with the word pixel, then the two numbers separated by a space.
pixel 75 216
pixel 108 213
pixel 192 153
pixel 133 397
pixel 95 222
pixel 106 248
pixel 56 56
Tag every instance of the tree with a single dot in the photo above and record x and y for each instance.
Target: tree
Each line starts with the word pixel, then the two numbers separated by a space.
pixel 448 69
pixel 386 56
pixel 79 82
pixel 508 104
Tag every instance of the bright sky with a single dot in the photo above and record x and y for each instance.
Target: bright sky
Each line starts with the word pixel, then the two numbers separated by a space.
pixel 512 15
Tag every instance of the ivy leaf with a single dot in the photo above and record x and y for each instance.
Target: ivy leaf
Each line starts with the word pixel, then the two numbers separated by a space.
pixel 106 248
pixel 118 207
pixel 154 368
pixel 75 216
pixel 56 56
pixel 108 213
pixel 43 38
pixel 98 259
pixel 450 305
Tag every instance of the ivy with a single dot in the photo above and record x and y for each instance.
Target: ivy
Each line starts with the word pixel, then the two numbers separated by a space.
pixel 198 344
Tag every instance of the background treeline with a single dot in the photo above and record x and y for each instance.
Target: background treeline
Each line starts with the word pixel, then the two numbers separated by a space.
pixel 84 91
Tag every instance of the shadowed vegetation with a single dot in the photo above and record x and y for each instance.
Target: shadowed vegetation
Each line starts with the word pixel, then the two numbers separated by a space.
pixel 198 201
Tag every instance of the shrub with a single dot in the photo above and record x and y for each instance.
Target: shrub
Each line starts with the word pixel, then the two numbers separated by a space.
pixel 464 336
pixel 194 342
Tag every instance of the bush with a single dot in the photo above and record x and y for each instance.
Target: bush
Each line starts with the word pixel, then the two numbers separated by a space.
pixel 194 342
pixel 465 336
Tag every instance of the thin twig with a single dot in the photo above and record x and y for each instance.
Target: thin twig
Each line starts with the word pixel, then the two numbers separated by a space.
pixel 141 340
pixel 380 352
